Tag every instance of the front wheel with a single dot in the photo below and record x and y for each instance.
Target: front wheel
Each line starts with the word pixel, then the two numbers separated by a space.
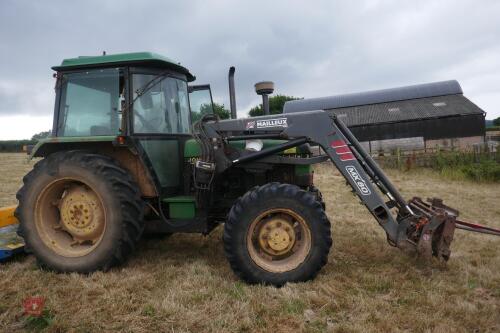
pixel 277 233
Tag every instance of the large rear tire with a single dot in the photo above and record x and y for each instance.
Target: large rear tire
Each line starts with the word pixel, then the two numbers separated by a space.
pixel 277 233
pixel 79 212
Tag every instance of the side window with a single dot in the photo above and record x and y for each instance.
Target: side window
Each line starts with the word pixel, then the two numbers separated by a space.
pixel 200 101
pixel 160 105
pixel 91 103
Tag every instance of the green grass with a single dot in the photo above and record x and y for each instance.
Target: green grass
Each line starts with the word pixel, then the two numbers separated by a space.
pixel 456 165
pixel 39 323
pixel 482 167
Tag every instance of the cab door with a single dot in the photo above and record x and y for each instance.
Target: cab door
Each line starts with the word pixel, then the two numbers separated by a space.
pixel 160 124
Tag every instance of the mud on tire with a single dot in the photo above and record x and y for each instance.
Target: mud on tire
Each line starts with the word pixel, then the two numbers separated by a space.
pixel 121 205
pixel 283 200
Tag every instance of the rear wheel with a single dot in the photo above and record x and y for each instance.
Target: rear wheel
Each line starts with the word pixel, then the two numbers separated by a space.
pixel 79 212
pixel 277 233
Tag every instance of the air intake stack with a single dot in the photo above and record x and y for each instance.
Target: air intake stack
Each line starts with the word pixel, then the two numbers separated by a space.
pixel 264 88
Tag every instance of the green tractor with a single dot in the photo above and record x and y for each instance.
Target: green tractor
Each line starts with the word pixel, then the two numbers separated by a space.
pixel 121 162
pixel 136 149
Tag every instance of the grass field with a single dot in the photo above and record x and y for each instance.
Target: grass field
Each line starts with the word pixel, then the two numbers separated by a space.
pixel 184 283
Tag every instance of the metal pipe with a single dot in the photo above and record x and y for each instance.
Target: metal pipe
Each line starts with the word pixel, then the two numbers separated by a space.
pixel 481 231
pixel 232 94
pixel 271 150
pixel 477 227
pixel 265 104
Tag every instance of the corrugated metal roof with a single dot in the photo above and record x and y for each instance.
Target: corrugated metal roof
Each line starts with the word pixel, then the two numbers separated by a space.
pixel 451 87
pixel 414 109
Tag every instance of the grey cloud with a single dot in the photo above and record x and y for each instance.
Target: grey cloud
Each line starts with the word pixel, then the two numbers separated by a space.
pixel 309 48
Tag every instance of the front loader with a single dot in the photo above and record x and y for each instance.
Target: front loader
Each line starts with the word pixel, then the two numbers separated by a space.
pixel 136 149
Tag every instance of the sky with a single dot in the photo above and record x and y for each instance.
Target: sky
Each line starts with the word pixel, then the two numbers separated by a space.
pixel 308 48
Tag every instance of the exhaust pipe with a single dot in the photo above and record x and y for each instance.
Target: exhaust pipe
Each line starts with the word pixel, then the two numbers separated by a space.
pixel 232 95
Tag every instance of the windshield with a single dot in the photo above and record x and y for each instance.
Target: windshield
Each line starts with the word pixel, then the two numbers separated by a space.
pixel 162 107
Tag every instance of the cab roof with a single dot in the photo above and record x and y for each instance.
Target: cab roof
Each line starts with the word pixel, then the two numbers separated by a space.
pixel 121 59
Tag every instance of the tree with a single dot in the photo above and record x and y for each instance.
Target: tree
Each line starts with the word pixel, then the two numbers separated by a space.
pixel 218 109
pixel 39 136
pixel 276 104
pixel 496 122
pixel 221 111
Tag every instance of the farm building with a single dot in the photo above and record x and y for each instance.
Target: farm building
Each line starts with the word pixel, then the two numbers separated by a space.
pixel 424 116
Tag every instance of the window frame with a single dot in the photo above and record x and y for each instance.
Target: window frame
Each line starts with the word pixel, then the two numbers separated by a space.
pixel 199 87
pixel 59 76
pixel 130 116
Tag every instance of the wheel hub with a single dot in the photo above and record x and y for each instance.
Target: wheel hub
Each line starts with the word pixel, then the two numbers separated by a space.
pixel 81 214
pixel 277 236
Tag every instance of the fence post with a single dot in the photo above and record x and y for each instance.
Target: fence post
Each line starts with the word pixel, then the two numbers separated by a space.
pixel 398 157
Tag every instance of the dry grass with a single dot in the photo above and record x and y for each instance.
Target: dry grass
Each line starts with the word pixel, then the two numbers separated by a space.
pixel 184 283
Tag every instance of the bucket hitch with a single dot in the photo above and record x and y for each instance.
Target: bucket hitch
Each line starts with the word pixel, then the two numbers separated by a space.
pixel 432 232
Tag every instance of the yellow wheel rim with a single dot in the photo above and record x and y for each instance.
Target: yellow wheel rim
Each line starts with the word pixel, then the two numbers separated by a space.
pixel 279 240
pixel 70 218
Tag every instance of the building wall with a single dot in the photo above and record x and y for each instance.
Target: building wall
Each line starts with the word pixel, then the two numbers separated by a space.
pixel 466 143
pixel 493 136
pixel 419 144
pixel 429 129
pixel 405 144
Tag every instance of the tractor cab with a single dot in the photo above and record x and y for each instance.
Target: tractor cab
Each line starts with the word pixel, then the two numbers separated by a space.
pixel 134 93
pixel 143 97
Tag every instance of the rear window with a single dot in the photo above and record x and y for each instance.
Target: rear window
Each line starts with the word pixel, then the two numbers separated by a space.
pixel 91 103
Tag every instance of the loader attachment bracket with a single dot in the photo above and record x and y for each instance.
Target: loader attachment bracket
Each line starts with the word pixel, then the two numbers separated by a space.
pixel 435 228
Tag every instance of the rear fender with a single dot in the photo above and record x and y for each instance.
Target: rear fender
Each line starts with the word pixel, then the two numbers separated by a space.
pixel 105 145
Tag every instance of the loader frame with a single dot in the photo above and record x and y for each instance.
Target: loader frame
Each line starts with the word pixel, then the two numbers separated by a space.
pixel 413 225
pixel 341 147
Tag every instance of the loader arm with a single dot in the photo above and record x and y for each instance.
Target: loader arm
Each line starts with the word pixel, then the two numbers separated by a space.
pixel 342 148
pixel 414 225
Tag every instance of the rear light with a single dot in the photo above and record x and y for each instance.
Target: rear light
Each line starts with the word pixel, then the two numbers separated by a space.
pixel 121 140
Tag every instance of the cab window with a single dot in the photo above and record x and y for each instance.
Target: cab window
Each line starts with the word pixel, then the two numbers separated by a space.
pixel 91 103
pixel 160 105
pixel 200 100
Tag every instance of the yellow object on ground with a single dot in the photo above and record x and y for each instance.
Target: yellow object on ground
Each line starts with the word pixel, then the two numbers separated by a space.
pixel 7 216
